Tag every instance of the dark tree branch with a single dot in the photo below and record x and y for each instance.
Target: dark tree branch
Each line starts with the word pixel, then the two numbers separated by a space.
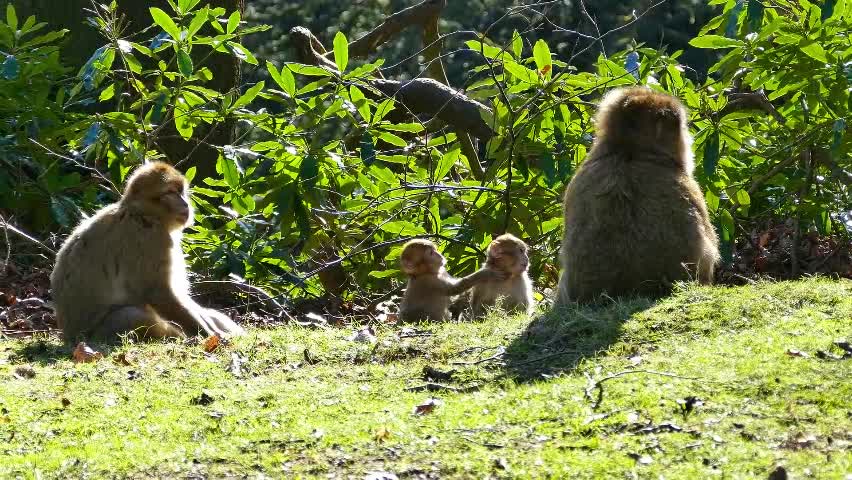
pixel 418 14
pixel 750 101
pixel 424 95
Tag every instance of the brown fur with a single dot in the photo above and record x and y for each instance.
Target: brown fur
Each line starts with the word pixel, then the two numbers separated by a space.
pixel 635 219
pixel 122 270
pixel 430 288
pixel 507 254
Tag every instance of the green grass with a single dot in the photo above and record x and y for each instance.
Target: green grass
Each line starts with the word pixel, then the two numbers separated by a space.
pixel 171 410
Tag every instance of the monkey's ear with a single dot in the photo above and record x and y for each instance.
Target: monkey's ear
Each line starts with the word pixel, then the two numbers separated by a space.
pixel 407 265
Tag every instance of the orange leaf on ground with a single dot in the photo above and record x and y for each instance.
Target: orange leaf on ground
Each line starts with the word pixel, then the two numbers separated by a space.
pixel 85 354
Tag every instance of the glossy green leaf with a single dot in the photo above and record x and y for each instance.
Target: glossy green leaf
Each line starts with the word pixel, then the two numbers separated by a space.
pixel 711 153
pixel 813 49
pixel 165 22
pixel 714 41
pixel 309 171
pixel 341 51
pixel 249 96
pixel 233 22
pixel 541 55
pixel 368 149
pixel 11 17
pixel 184 62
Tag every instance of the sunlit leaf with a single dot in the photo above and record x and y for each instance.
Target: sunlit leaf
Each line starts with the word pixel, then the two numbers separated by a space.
pixel 714 41
pixel 229 171
pixel 11 17
pixel 184 63
pixel 517 44
pixel 541 55
pixel 165 22
pixel 341 51
pixel 813 49
pixel 233 22
pixel 249 96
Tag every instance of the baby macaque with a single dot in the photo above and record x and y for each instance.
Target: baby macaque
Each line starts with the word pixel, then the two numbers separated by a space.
pixel 430 288
pixel 122 270
pixel 507 254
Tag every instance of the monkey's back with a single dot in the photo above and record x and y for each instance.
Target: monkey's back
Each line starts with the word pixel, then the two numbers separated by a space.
pixel 633 226
pixel 104 264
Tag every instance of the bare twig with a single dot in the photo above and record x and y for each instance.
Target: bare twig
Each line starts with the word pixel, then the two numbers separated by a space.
pixel 501 351
pixel 598 384
pixel 9 227
pixel 439 387
pixel 263 295
pixel 394 24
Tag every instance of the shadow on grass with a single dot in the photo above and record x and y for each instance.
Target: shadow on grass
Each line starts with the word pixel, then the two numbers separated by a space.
pixel 48 350
pixel 559 340
pixel 41 350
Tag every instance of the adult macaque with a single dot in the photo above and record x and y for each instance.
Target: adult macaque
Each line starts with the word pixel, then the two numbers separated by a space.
pixel 635 219
pixel 122 270
pixel 507 254
pixel 430 288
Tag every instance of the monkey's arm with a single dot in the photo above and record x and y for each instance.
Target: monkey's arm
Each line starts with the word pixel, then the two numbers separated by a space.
pixel 457 286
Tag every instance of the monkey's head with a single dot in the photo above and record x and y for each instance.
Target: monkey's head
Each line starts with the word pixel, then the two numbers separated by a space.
pixel 639 118
pixel 421 257
pixel 159 192
pixel 508 253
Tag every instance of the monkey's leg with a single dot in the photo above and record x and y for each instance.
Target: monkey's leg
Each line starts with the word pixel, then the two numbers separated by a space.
pixel 140 320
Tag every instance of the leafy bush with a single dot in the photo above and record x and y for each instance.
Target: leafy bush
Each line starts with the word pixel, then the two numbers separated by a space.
pixel 330 172
pixel 34 123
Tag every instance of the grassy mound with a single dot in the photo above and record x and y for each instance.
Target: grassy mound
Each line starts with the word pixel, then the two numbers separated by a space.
pixel 734 382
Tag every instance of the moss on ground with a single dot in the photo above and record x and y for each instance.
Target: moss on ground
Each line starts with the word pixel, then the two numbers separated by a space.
pixel 727 382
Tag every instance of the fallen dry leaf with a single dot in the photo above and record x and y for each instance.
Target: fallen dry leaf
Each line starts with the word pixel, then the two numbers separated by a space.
pixel 797 353
pixel 382 434
pixel 122 358
pixel 212 343
pixel 85 354
pixel 427 407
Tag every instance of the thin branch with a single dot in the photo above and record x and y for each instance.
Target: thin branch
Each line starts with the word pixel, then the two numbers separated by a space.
pixel 8 226
pixel 501 351
pixel 598 384
pixel 394 24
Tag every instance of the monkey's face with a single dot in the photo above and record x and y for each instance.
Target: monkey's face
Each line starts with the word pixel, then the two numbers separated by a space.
pixel 169 203
pixel 508 256
pixel 421 258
